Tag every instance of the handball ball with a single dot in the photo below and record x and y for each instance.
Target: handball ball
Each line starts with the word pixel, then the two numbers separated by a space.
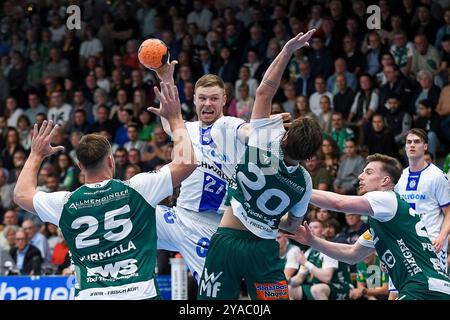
pixel 153 53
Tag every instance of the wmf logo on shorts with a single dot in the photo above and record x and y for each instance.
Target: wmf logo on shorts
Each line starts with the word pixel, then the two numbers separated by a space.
pixel 74 18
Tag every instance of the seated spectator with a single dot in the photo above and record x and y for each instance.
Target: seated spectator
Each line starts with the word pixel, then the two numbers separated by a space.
pixel 320 277
pixel 133 140
pixel 429 121
pixel 320 58
pixel 350 168
pixel 326 111
pixel 146 124
pixel 121 162
pixel 302 108
pixel 365 103
pixel 398 120
pixel 402 51
pixel 12 111
pixel 340 133
pixel 372 283
pixel 340 67
pixel 59 112
pixel 288 253
pixel 79 122
pixel 305 81
pixel 12 145
pixel 321 178
pixel 276 108
pixel 67 172
pixel 427 90
pixel 131 170
pixel 37 239
pixel 396 84
pixel 356 61
pixel 425 56
pixel 25 255
pixel 6 191
pixel 34 107
pixel 289 93
pixel 314 99
pixel 57 67
pixel 353 229
pixel 50 231
pixel 343 99
pixel 244 106
pixel 244 77
pixel 379 139
pixel 60 250
pixel 329 155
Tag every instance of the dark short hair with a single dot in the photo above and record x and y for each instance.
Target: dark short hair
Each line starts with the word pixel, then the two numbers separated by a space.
pixel 420 133
pixel 93 148
pixel 390 165
pixel 303 140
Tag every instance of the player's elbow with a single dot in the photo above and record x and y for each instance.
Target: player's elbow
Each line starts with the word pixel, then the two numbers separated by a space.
pixel 264 92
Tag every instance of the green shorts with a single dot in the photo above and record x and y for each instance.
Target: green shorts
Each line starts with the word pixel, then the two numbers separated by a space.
pixel 422 295
pixel 234 255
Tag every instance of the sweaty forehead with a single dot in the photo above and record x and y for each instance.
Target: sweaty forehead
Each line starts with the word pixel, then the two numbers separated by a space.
pixel 209 91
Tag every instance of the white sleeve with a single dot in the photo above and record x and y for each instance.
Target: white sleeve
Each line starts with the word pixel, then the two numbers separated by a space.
pixel 291 258
pixel 354 104
pixel 366 240
pixel 328 262
pixel 154 186
pixel 300 209
pixel 49 206
pixel 264 131
pixel 383 203
pixel 442 191
pixel 374 101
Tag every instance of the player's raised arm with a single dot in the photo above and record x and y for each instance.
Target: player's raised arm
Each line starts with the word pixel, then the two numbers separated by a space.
pixel 272 77
pixel 40 149
pixel 183 161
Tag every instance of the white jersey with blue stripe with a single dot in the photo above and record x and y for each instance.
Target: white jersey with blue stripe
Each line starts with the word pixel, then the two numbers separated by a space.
pixel 426 191
pixel 218 150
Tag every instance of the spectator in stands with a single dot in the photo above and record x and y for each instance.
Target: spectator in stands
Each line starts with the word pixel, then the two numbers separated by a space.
pixel 379 139
pixel 302 108
pixel 402 51
pixel 425 24
pixel 314 100
pixel 427 90
pixel 125 118
pixel 305 84
pixel 320 58
pixel 429 121
pixel 59 112
pixel 57 67
pixel 121 161
pixel 133 140
pixel 34 107
pixel 12 111
pixel 35 69
pixel 340 68
pixel 26 256
pixel 321 178
pixel 396 84
pixel 91 46
pixel 343 99
pixel 329 155
pixel 425 56
pixel 350 167
pixel 353 229
pixel 356 62
pixel 12 144
pixel 102 121
pixel 398 120
pixel 339 132
pixel 326 111
pixel 67 172
pixel 50 231
pixel 244 77
pixel 24 129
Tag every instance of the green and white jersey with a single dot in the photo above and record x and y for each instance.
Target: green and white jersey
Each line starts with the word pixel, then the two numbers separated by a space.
pixel 110 230
pixel 263 188
pixel 341 274
pixel 403 245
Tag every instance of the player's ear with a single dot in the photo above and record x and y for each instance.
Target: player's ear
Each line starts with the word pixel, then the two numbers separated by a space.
pixel 425 146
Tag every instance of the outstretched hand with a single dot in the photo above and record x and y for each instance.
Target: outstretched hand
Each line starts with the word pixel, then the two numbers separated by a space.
pixel 41 139
pixel 302 234
pixel 165 73
pixel 299 41
pixel 170 102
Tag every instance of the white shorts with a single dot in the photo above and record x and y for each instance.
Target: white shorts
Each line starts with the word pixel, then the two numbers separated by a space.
pixel 442 255
pixel 187 232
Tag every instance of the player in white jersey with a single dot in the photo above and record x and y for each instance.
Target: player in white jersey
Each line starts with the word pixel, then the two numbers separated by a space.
pixel 218 143
pixel 425 187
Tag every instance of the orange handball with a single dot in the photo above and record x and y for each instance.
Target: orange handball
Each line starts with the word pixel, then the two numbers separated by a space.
pixel 153 53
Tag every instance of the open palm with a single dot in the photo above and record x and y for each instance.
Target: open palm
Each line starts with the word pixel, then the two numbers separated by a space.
pixel 299 41
pixel 41 139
